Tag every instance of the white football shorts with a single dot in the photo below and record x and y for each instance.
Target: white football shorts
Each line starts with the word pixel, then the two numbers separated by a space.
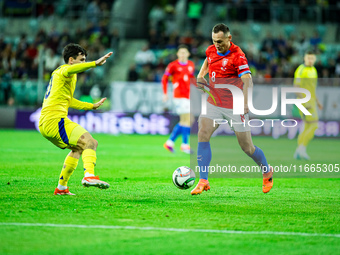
pixel 238 123
pixel 181 105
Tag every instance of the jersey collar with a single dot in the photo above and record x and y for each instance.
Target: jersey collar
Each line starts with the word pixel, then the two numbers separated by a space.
pixel 225 54
pixel 181 63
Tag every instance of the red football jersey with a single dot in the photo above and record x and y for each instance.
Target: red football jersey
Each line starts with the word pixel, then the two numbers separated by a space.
pixel 181 74
pixel 226 68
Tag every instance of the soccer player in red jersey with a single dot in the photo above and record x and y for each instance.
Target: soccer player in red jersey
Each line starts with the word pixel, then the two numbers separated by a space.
pixel 181 71
pixel 225 60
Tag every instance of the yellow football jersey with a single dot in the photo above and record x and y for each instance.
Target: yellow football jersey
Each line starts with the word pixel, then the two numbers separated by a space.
pixel 59 93
pixel 307 77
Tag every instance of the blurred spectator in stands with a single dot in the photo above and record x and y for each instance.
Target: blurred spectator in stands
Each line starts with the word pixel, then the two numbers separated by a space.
pixel 268 42
pixel 6 57
pixel 145 56
pixel 194 13
pixel 21 70
pixel 114 39
pixel 53 42
pixel 2 43
pixel 304 44
pixel 331 67
pixel 105 11
pixel 154 39
pixel 187 38
pixel 337 66
pixel 22 45
pixel 286 69
pixel 315 40
pixel 6 86
pixel 52 61
pixel 173 41
pixel 325 73
pixel 146 73
pixel 318 66
pixel 132 74
pixel 169 20
pixel 41 36
pixel 93 12
pixel 156 17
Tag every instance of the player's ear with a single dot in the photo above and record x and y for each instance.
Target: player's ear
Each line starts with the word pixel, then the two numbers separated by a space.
pixel 70 60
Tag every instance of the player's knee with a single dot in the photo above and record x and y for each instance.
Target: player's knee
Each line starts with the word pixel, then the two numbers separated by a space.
pixel 203 135
pixel 91 144
pixel 248 149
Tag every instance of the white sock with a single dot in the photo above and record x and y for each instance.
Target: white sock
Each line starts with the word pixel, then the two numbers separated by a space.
pixel 170 143
pixel 61 187
pixel 89 175
pixel 302 148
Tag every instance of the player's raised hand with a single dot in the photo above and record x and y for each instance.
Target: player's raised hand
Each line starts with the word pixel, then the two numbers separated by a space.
pixel 98 104
pixel 103 59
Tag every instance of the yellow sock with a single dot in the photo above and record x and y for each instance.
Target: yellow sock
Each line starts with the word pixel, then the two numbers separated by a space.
pixel 309 132
pixel 70 165
pixel 89 161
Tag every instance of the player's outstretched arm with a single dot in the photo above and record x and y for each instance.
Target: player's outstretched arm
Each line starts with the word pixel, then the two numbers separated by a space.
pixel 101 61
pixel 98 104
pixel 201 81
pixel 81 67
pixel 247 83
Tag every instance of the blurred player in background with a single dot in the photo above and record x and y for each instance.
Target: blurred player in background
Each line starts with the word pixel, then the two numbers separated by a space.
pixel 226 60
pixel 181 71
pixel 61 131
pixel 306 77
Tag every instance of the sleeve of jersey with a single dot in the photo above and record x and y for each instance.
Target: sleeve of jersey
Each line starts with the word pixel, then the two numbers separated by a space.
pixel 77 68
pixel 165 79
pixel 241 64
pixel 192 75
pixel 79 105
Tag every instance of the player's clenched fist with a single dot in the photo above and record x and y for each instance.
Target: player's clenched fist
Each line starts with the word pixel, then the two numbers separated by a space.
pixel 201 82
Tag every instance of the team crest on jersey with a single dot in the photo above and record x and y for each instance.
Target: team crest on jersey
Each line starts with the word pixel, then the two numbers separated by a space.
pixel 224 64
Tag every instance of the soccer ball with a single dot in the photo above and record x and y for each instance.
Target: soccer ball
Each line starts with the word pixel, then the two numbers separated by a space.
pixel 183 177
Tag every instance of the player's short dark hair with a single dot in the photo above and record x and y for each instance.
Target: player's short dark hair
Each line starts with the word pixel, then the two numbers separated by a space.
pixel 220 27
pixel 310 52
pixel 73 50
pixel 182 46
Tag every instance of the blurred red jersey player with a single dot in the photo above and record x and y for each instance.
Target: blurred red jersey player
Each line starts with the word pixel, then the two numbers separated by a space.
pixel 181 70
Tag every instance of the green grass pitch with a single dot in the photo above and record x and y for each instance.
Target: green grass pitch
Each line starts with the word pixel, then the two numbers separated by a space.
pixel 142 195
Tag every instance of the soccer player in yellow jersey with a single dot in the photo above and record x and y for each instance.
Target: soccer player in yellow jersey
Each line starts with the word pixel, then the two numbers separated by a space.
pixel 61 131
pixel 306 77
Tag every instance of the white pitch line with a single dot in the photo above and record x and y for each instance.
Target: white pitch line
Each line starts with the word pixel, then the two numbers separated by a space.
pixel 216 231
